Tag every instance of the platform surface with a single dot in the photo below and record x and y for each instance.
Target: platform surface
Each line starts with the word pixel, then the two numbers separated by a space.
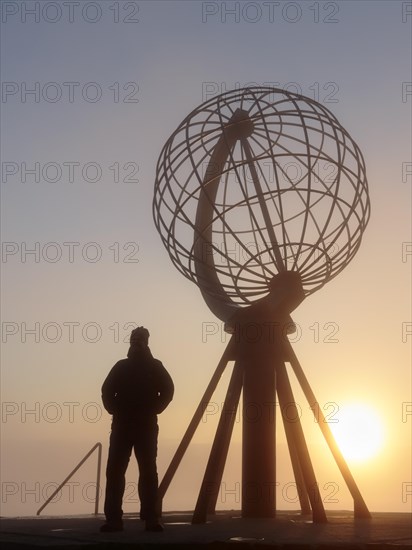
pixel 289 530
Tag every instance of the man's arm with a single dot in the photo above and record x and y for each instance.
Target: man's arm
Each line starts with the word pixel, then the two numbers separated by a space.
pixel 109 391
pixel 165 388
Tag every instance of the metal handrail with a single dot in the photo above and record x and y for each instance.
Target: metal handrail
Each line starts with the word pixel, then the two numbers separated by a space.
pixel 98 446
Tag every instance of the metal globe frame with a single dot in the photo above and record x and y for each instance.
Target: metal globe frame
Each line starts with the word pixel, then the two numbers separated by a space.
pixel 255 182
pixel 223 185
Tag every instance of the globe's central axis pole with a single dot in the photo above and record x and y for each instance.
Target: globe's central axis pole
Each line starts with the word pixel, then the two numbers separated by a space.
pixel 238 126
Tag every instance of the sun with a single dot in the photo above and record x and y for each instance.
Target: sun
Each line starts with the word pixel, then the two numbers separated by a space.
pixel 358 432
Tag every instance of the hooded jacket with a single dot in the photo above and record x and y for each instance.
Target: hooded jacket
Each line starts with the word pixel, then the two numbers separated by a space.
pixel 137 388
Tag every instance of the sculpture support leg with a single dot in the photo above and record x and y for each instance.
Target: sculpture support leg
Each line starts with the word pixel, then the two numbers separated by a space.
pixel 287 417
pixel 191 429
pixel 299 445
pixel 360 509
pixel 212 479
pixel 259 446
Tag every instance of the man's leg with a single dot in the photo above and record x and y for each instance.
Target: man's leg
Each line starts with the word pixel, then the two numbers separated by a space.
pixel 120 449
pixel 145 449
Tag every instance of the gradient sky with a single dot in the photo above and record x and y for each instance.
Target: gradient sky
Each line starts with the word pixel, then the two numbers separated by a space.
pixel 354 57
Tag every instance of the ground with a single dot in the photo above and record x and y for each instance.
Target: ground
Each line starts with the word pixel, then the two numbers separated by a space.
pixel 288 531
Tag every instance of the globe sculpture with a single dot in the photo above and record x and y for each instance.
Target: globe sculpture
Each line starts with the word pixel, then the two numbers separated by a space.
pixel 260 199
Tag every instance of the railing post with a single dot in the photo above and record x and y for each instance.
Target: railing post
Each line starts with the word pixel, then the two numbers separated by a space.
pixel 99 466
pixel 63 483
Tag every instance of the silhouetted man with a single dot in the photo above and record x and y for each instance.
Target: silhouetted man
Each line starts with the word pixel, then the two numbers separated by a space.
pixel 136 390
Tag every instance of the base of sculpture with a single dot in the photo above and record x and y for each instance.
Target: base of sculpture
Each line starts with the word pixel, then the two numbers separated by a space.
pixel 260 350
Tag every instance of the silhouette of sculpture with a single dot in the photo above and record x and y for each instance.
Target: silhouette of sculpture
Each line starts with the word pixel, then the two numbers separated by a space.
pixel 135 391
pixel 260 199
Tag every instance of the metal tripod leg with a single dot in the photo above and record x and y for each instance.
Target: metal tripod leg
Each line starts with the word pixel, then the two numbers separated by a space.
pixel 284 404
pixel 299 445
pixel 171 470
pixel 212 479
pixel 360 509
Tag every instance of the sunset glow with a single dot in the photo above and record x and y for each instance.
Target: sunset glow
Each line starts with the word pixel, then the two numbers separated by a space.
pixel 358 432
